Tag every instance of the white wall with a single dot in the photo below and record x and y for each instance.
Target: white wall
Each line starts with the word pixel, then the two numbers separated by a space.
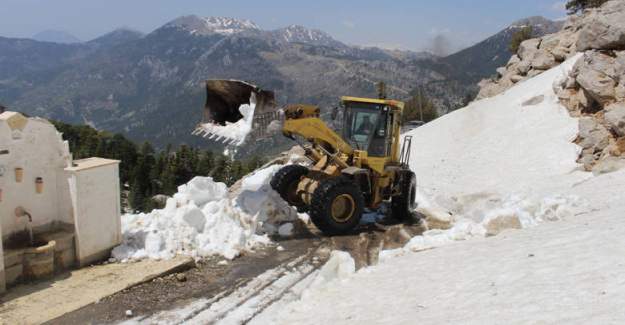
pixel 41 152
pixel 94 186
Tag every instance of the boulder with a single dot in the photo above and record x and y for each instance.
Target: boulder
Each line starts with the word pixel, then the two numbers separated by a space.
pixel 496 224
pixel 593 135
pixel 572 23
pixel 602 62
pixel 615 117
pixel 560 53
pixel 543 60
pixel 524 66
pixel 619 66
pixel 619 92
pixel 598 84
pixel 501 71
pixel 513 60
pixel 571 83
pixel 527 48
pixel 608 165
pixel 604 28
pixel 516 78
pixel 550 42
pixel 534 72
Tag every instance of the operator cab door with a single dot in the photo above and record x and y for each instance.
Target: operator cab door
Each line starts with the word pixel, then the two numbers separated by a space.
pixel 368 127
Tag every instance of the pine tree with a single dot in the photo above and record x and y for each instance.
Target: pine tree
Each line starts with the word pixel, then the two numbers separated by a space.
pixel 141 186
pixel 518 37
pixel 419 107
pixel 574 6
pixel 221 171
pixel 205 165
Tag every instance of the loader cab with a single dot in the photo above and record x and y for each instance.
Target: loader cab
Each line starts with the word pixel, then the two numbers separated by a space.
pixel 368 125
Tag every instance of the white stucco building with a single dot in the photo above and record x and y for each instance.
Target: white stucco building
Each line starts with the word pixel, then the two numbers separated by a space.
pixel 73 203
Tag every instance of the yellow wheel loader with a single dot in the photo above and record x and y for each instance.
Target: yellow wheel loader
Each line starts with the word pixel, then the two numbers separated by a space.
pixel 358 169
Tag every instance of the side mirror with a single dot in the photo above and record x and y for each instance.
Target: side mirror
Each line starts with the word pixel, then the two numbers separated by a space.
pixel 335 112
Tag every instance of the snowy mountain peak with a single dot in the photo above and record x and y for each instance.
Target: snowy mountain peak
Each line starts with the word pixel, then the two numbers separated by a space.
pixel 301 34
pixel 537 21
pixel 212 25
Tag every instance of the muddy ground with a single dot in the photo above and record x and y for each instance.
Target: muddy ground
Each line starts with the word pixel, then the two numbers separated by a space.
pixel 209 277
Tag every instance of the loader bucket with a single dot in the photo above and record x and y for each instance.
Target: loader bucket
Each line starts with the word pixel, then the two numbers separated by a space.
pixel 236 110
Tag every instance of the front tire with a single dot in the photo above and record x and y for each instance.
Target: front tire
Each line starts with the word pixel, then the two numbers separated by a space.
pixel 404 204
pixel 336 206
pixel 285 182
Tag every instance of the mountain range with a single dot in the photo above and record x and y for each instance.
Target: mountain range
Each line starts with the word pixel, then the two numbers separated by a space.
pixel 150 87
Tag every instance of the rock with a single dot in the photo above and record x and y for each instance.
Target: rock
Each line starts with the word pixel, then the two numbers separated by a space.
pixel 587 159
pixel 129 313
pixel 599 85
pixel 514 59
pixel 496 225
pixel 572 23
pixel 436 218
pixel 523 67
pixel 583 99
pixel 619 92
pixel 501 71
pixel 286 230
pixel 534 100
pixel 567 39
pixel 534 72
pixel 599 61
pixel 516 78
pixel 608 165
pixel 527 48
pixel 615 117
pixel 489 88
pixel 593 135
pixel 543 60
pixel 604 28
pixel 619 66
pixel 560 53
pixel 571 83
pixel 181 277
pixel 550 42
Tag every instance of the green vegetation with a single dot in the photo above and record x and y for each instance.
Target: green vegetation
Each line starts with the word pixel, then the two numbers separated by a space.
pixel 419 107
pixel 149 172
pixel 518 37
pixel 574 6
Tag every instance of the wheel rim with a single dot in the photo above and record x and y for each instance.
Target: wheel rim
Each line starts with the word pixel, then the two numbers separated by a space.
pixel 343 207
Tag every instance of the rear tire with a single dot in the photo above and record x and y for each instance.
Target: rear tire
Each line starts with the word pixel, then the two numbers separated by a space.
pixel 336 206
pixel 404 204
pixel 285 183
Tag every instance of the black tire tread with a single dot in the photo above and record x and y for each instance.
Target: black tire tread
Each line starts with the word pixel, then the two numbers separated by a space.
pixel 323 197
pixel 400 205
pixel 284 177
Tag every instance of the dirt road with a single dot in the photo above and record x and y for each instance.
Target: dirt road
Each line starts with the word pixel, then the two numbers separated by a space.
pixel 242 289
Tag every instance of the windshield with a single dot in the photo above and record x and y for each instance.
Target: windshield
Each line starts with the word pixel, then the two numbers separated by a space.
pixel 361 120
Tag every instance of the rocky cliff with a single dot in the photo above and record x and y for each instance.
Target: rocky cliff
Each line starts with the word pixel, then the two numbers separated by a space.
pixel 594 91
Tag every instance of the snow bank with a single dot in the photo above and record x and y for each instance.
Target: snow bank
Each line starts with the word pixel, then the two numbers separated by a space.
pixel 200 220
pixel 499 144
pixel 485 215
pixel 499 163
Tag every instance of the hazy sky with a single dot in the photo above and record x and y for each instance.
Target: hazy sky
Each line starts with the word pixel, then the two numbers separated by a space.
pixel 408 24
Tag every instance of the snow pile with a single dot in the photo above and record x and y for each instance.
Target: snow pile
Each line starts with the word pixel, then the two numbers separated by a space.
pixel 519 141
pixel 499 163
pixel 479 216
pixel 231 133
pixel 200 220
